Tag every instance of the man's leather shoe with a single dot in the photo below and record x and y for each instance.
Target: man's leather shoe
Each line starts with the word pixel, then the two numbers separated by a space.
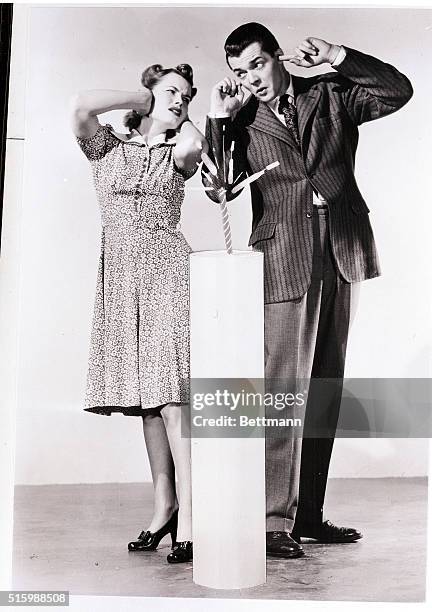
pixel 281 544
pixel 327 533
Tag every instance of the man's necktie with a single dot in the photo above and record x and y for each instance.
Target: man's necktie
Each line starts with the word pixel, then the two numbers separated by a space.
pixel 288 110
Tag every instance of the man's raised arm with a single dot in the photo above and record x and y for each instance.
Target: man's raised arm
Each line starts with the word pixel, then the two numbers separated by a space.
pixel 370 89
pixel 224 149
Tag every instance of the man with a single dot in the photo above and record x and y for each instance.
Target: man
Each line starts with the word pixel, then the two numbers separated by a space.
pixel 312 224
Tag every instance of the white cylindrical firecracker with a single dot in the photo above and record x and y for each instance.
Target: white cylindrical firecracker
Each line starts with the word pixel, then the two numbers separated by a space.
pixel 228 474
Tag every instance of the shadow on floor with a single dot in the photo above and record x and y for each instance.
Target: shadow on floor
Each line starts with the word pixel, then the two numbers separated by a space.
pixel 74 537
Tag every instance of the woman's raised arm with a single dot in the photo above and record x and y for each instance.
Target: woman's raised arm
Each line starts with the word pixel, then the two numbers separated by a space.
pixel 87 105
pixel 190 144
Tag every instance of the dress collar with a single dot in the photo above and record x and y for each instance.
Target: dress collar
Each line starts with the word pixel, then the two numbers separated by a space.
pixel 136 138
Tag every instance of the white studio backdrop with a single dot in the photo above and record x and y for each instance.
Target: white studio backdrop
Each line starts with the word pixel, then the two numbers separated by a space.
pixel 73 48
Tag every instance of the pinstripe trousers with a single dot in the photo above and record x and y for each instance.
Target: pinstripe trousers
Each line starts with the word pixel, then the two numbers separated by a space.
pixel 305 339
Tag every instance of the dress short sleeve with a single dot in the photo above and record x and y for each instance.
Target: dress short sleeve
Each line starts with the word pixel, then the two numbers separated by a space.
pixel 186 174
pixel 98 145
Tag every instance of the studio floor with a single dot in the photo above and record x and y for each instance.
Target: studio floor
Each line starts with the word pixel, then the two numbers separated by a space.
pixel 74 537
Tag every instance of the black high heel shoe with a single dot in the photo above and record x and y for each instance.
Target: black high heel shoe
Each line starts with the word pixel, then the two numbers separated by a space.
pixel 149 541
pixel 181 552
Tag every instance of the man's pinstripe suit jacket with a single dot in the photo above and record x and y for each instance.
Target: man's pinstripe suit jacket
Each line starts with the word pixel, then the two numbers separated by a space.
pixel 330 107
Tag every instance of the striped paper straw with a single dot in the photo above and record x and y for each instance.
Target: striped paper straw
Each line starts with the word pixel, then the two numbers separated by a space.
pixel 225 221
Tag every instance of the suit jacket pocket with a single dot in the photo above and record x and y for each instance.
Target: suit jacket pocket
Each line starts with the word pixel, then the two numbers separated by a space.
pixel 333 118
pixel 264 231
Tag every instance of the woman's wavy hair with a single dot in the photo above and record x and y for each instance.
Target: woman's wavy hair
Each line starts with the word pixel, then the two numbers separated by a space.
pixel 152 75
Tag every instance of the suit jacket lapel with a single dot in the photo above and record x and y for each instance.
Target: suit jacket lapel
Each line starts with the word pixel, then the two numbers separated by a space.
pixel 266 121
pixel 306 102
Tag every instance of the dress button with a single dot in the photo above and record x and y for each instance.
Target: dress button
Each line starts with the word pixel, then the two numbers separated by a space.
pixel 309 215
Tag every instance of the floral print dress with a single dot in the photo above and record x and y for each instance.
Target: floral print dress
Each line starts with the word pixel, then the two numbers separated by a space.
pixel 139 348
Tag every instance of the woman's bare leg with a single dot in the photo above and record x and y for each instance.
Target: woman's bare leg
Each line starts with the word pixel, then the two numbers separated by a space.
pixel 181 453
pixel 162 469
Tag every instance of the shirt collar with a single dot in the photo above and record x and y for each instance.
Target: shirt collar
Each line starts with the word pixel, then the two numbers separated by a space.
pixel 274 104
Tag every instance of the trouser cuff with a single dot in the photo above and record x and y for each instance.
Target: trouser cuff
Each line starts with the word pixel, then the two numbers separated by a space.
pixel 279 524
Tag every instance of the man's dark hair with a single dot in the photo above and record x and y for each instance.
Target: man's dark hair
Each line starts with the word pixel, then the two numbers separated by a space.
pixel 245 35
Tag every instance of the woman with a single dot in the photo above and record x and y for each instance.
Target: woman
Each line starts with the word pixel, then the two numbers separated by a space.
pixel 139 354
